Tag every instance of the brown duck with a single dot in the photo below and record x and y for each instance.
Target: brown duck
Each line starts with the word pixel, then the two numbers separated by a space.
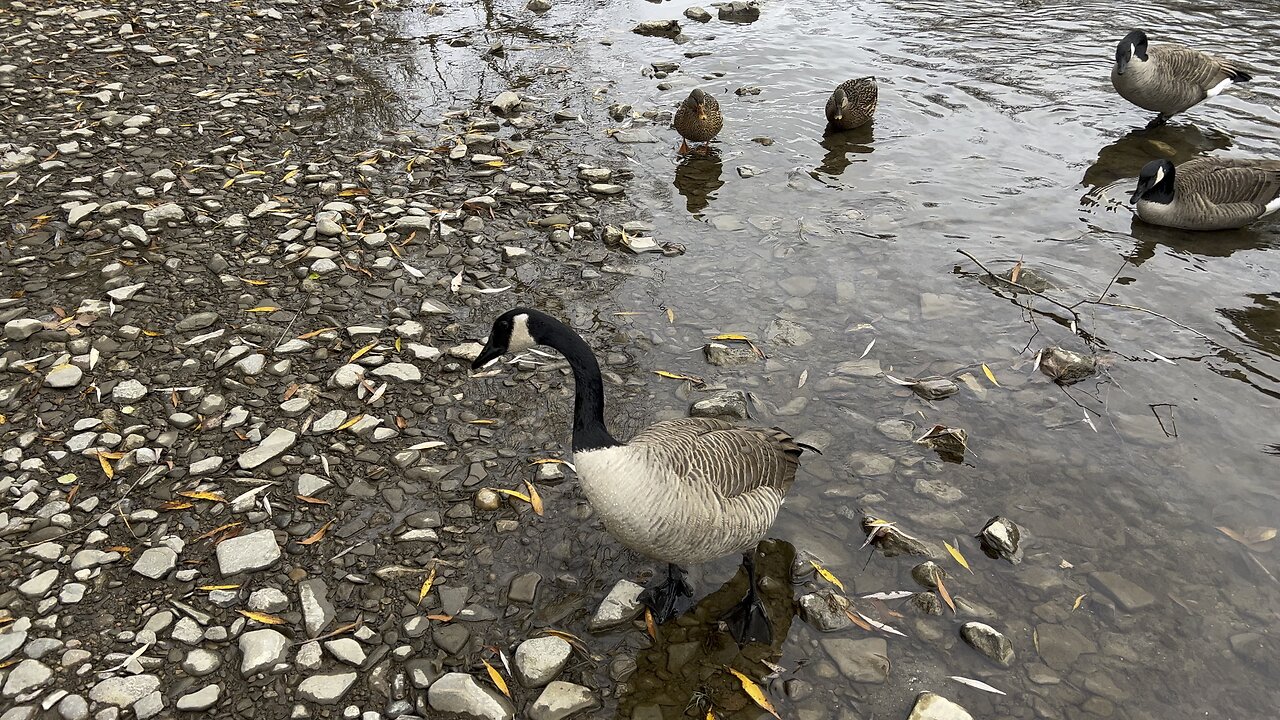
pixel 852 104
pixel 698 119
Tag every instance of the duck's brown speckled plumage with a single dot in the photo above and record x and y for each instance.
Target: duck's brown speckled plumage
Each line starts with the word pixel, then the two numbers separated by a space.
pixel 852 104
pixel 698 118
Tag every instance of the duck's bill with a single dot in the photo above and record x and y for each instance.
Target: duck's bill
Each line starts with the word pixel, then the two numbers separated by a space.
pixel 488 356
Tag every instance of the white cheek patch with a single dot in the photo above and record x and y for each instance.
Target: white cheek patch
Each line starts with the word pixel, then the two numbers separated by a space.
pixel 1159 176
pixel 520 337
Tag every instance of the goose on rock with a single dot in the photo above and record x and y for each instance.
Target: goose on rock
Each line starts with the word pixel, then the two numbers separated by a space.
pixel 698 119
pixel 681 491
pixel 1169 78
pixel 1208 193
pixel 852 104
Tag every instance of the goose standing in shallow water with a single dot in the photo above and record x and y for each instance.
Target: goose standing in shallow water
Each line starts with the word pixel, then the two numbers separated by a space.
pixel 1169 78
pixel 1207 193
pixel 681 491
pixel 698 119
pixel 852 104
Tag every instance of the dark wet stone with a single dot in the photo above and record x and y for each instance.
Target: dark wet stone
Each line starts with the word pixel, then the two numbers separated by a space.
pixel 730 404
pixel 1124 591
pixel 524 587
pixel 1001 538
pixel 988 641
pixel 1065 366
pixel 865 660
pixel 451 638
pixel 658 28
pixel 825 610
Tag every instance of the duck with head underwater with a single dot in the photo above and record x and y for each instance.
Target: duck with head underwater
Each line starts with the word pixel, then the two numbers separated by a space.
pixel 681 491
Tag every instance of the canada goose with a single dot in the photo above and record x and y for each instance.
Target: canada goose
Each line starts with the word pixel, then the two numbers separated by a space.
pixel 852 104
pixel 698 119
pixel 681 491
pixel 1169 78
pixel 1207 193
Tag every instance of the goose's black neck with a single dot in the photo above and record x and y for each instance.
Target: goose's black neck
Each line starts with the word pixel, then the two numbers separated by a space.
pixel 589 429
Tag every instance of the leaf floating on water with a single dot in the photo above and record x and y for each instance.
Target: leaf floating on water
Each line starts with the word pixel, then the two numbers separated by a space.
pixel 826 575
pixel 426 584
pixel 804 377
pixel 1076 605
pixel 956 554
pixel 496 677
pixel 946 596
pixel 1251 539
pixel 881 626
pixel 990 375
pixel 977 684
pixel 853 618
pixel 350 422
pixel 892 595
pixel 203 495
pixel 317 536
pixel 361 352
pixel 534 498
pixel 867 349
pixel 755 693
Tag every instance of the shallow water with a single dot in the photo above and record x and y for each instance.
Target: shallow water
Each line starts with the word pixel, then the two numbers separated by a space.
pixel 997 134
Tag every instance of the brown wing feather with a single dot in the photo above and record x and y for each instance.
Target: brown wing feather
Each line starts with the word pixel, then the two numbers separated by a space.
pixel 1231 181
pixel 730 460
pixel 1196 67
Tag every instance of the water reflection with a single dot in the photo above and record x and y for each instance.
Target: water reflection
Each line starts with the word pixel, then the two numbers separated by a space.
pixel 840 145
pixel 1125 157
pixel 1223 243
pixel 697 179
pixel 682 673
pixel 1259 324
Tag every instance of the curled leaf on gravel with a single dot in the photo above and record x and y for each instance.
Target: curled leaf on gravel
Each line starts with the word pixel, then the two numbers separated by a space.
pixel 516 494
pixel 262 617
pixel 175 505
pixel 426 585
pixel 534 498
pixel 317 536
pixel 219 529
pixel 203 495
pixel 349 423
pixel 314 333
pixel 362 351
pixel 496 677
pixel 263 309
pixel 208 588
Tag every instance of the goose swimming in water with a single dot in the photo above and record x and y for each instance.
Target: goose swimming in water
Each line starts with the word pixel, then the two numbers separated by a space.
pixel 1169 78
pixel 852 104
pixel 1207 193
pixel 681 491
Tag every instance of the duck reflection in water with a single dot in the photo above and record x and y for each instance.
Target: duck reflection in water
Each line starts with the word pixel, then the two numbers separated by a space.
pixel 682 672
pixel 697 179
pixel 1123 159
pixel 840 145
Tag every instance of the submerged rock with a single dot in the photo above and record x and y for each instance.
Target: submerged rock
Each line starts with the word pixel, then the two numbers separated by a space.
pixel 865 660
pixel 1066 367
pixel 928 574
pixel 988 641
pixel 892 541
pixel 935 388
pixel 825 610
pixel 727 404
pixel 720 354
pixel 1001 538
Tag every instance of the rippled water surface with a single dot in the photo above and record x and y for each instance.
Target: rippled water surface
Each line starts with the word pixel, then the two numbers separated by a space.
pixel 998 134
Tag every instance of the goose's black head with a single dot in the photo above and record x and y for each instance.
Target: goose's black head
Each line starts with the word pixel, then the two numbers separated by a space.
pixel 514 330
pixel 1134 45
pixel 1155 183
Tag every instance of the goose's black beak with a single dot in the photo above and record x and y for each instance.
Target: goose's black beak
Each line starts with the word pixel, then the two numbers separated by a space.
pixel 1122 64
pixel 486 356
pixel 1143 186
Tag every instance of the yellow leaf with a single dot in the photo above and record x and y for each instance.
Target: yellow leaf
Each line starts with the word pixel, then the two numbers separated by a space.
pixel 731 336
pixel 258 283
pixel 217 587
pixel 371 161
pixel 426 585
pixel 107 470
pixel 755 693
pixel 263 308
pixel 710 716
pixel 1256 536
pixel 175 505
pixel 151 333
pixel 201 495
pixel 826 575
pixel 317 536
pixel 349 423
pixel 677 376
pixel 671 316
pixel 990 375
pixel 228 183
pixel 496 677
pixel 649 625
pixel 495 163
pixel 515 494
pixel 397 344
pixel 289 175
pixel 547 461
pixel 361 352
pixel 534 498
pixel 352 192
pixel 312 500
pixel 261 617
pixel 440 618
pixel 958 557
pixel 313 333
pixel 482 422
pixel 946 596
pixel 1076 605
pixel 219 529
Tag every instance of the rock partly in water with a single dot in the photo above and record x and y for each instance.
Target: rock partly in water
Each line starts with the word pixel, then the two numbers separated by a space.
pixel 1001 538
pixel 825 610
pixel 731 404
pixel 1066 366
pixel 988 641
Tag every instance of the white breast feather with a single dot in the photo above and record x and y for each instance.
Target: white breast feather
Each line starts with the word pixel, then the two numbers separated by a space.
pixel 1271 207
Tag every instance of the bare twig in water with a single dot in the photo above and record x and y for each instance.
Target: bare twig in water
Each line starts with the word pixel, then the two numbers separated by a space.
pixel 1072 308
pixel 1172 430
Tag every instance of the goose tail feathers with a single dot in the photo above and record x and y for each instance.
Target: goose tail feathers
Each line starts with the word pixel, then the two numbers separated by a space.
pixel 1237 75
